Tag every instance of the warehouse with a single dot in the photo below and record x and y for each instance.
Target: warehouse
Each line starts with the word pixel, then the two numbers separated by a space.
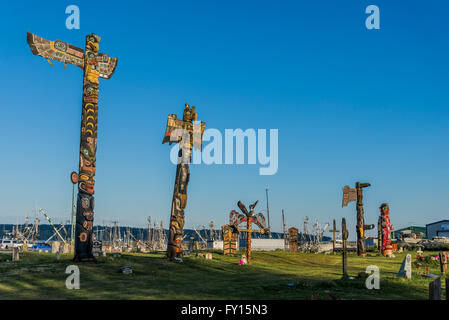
pixel 437 229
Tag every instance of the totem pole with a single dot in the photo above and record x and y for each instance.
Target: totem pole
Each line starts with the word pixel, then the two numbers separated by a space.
pixel 293 239
pixel 95 65
pixel 386 248
pixel 189 135
pixel 356 194
pixel 230 235
pixel 250 218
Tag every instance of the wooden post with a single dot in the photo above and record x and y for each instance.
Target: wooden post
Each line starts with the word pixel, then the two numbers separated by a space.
pixel 248 239
pixel 379 235
pixel 15 254
pixel 435 289
pixel 334 230
pixel 345 257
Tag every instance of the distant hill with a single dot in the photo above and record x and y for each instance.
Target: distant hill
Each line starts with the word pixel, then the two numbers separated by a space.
pixel 103 232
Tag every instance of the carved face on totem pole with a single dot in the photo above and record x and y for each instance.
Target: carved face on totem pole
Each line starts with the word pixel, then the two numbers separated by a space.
pixel 189 113
pixel 384 209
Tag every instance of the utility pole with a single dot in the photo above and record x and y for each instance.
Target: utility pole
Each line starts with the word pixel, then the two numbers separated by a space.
pixel 283 230
pixel 268 213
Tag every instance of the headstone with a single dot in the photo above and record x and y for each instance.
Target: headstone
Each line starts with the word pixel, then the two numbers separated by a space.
pixel 55 246
pixel 230 234
pixel 435 289
pixel 293 239
pixel 15 254
pixel 126 270
pixel 191 244
pixel 419 252
pixel 406 267
pixel 67 247
pixel 208 256
pixel 97 248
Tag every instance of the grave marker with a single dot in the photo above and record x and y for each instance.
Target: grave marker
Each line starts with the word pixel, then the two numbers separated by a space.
pixel 15 254
pixel 334 230
pixel 435 289
pixel 406 267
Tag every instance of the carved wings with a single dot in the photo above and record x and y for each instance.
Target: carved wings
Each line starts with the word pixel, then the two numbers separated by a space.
pixel 56 50
pixel 236 218
pixel 106 65
pixel 67 53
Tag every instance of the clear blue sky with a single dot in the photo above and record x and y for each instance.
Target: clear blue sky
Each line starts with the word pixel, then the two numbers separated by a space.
pixel 350 104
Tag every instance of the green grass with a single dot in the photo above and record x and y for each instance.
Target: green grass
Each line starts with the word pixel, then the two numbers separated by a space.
pixel 41 276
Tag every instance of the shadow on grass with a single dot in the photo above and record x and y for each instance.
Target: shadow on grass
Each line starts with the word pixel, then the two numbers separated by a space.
pixel 271 276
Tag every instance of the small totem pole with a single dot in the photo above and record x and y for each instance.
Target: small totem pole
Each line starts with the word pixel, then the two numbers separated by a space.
pixel 95 65
pixel 230 235
pixel 293 239
pixel 356 194
pixel 189 135
pixel 250 218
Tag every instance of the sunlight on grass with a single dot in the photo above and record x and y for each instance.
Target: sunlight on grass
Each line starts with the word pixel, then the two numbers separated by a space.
pixel 272 275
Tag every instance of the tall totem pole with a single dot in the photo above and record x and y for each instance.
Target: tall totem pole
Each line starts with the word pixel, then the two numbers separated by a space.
pixel 95 65
pixel 356 194
pixel 189 135
pixel 384 232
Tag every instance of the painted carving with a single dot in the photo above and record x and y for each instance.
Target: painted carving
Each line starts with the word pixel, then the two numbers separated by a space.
pixel 189 135
pixel 95 65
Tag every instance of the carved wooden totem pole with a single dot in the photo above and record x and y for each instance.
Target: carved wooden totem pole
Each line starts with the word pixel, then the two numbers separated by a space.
pixel 189 135
pixel 356 194
pixel 230 236
pixel 293 239
pixel 95 65
pixel 386 248
pixel 250 218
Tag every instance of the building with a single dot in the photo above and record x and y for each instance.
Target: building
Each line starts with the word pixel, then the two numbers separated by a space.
pixel 437 229
pixel 396 234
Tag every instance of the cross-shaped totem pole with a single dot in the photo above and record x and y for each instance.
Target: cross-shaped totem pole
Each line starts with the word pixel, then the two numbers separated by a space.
pixel 95 65
pixel 334 230
pixel 356 194
pixel 189 135
pixel 250 218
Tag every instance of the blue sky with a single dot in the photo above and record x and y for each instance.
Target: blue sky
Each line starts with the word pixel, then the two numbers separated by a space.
pixel 350 105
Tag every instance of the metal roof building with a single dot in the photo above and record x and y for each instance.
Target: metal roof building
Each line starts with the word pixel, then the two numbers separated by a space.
pixel 437 229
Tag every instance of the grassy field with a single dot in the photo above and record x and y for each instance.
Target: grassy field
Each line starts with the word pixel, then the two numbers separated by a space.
pixel 41 276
